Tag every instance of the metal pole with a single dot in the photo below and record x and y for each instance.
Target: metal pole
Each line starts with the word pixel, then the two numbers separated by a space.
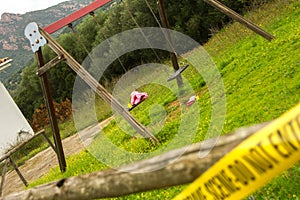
pixel 165 23
pixel 51 112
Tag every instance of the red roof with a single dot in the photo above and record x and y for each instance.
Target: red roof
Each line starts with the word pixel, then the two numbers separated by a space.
pixel 75 15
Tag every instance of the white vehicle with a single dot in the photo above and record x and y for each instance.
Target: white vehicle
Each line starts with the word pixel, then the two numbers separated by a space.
pixel 4 63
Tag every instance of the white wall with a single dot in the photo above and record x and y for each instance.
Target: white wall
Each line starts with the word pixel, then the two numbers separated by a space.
pixel 12 120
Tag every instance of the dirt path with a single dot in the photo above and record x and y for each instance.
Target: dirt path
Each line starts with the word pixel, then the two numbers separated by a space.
pixel 42 162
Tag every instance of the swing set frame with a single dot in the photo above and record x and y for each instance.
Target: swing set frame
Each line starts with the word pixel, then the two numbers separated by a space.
pixel 62 55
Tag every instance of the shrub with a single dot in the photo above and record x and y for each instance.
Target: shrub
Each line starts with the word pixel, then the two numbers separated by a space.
pixel 40 118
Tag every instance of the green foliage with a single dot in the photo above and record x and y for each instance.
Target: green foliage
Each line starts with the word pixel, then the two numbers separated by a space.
pixel 29 94
pixel 285 186
pixel 15 29
pixel 183 16
pixel 40 117
pixel 267 70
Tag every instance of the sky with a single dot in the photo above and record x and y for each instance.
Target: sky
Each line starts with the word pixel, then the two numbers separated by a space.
pixel 23 6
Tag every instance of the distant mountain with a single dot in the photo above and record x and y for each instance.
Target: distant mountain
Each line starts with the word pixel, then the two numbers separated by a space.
pixel 15 45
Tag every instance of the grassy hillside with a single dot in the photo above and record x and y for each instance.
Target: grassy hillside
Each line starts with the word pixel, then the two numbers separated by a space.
pixel 259 74
pixel 261 79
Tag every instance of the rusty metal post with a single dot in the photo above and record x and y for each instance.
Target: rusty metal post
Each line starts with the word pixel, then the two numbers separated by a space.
pixel 51 112
pixel 165 23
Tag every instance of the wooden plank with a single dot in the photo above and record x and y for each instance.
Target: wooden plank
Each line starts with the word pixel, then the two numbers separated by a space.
pixel 50 65
pixel 75 15
pixel 49 142
pixel 240 19
pixel 8 154
pixel 97 87
pixel 176 167
pixel 18 171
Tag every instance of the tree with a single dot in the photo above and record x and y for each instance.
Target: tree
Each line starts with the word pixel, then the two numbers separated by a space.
pixel 29 94
pixel 191 17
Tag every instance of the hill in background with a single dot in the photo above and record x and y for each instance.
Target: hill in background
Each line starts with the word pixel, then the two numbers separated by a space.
pixel 15 45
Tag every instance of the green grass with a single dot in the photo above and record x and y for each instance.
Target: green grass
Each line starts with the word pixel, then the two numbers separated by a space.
pixel 262 81
pixel 285 186
pixel 66 128
pixel 81 163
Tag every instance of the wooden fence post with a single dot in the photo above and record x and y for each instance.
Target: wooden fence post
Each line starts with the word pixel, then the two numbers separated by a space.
pixel 18 171
pixel 49 142
pixel 51 112
pixel 3 176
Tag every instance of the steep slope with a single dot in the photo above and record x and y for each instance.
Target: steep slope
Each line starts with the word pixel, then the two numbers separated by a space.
pixel 261 79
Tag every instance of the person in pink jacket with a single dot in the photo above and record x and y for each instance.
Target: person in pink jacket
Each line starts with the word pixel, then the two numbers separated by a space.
pixel 136 97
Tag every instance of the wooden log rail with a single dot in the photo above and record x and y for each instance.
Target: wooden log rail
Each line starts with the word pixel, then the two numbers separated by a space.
pixel 8 159
pixel 176 167
pixel 12 151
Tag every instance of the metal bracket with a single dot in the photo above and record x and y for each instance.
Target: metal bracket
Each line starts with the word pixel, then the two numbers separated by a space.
pixel 34 36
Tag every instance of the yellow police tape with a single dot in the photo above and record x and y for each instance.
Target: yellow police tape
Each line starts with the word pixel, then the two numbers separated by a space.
pixel 252 163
